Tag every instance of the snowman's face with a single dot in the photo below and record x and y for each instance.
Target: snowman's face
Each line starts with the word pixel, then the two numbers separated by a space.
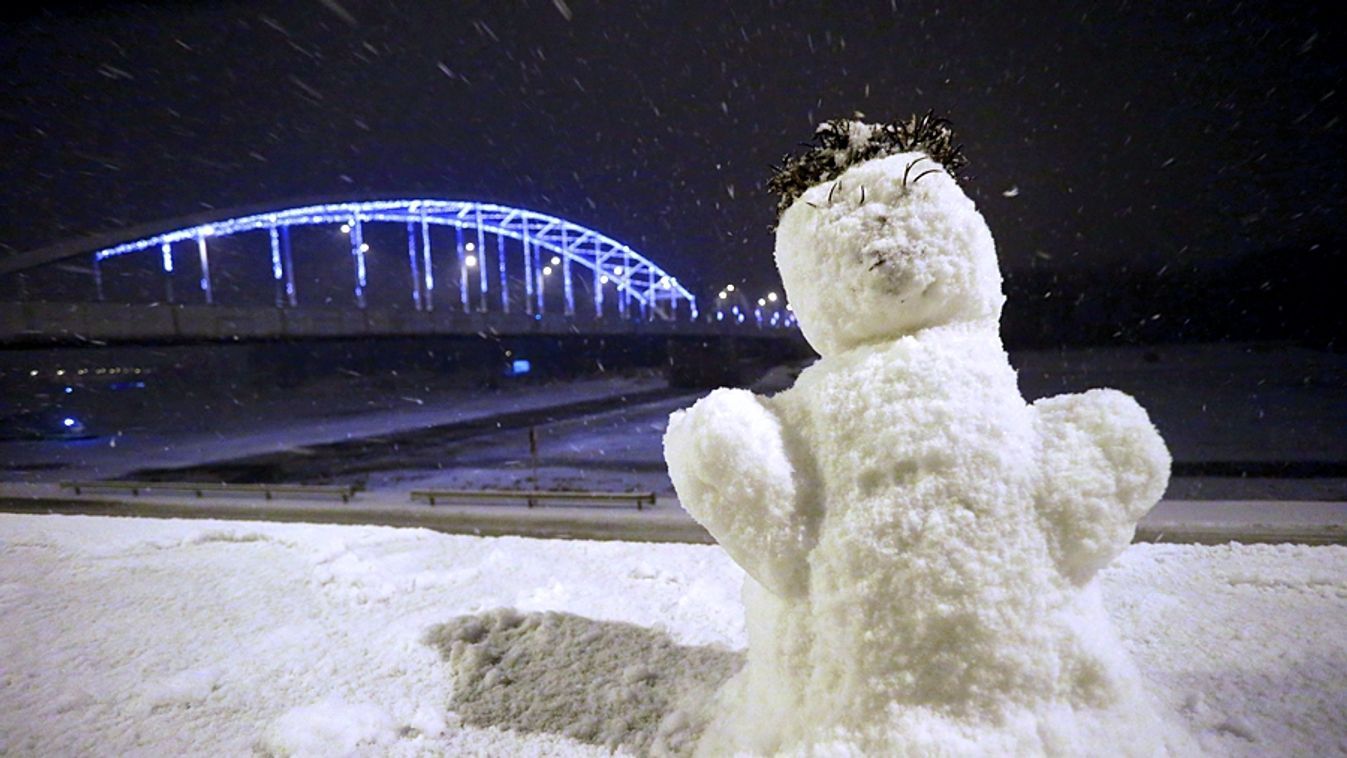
pixel 879 253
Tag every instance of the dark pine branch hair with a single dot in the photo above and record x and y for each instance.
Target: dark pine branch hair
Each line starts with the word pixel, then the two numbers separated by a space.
pixel 833 151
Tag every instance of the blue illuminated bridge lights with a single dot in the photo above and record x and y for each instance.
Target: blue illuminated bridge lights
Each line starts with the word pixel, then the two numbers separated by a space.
pixel 547 246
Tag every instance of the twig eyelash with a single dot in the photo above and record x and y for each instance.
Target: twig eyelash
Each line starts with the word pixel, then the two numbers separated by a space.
pixel 908 170
pixel 924 173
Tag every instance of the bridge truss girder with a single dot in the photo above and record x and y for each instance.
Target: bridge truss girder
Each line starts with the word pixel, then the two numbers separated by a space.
pixel 636 278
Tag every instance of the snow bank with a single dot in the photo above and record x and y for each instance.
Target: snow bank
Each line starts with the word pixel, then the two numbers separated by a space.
pixel 149 637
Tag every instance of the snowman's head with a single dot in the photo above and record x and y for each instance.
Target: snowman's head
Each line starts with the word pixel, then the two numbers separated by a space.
pixel 883 249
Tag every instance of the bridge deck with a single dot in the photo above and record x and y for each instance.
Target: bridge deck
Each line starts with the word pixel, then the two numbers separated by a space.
pixel 47 322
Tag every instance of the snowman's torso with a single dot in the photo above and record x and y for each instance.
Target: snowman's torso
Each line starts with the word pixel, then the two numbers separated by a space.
pixel 924 460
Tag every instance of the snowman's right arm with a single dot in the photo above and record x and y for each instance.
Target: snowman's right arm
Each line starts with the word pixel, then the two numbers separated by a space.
pixel 731 466
pixel 1104 466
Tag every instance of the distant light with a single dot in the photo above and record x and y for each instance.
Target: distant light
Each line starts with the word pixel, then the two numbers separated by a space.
pixel 729 288
pixel 364 247
pixel 520 366
pixel 60 372
pixel 617 270
pixel 33 372
pixel 724 295
pixel 69 390
pixel 68 422
pixel 471 246
pixel 761 302
pixel 603 279
pixel 556 261
pixel 547 270
pixel 471 260
pixel 771 296
pixel 345 228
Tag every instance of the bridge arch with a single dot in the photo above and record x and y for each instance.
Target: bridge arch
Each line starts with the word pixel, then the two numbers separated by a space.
pixel 548 245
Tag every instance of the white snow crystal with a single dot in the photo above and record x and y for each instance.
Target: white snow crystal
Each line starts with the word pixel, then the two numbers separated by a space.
pixel 332 727
pixel 182 689
pixel 921 543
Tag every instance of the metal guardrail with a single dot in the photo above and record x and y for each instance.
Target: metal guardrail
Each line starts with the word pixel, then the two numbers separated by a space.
pixel 345 492
pixel 532 497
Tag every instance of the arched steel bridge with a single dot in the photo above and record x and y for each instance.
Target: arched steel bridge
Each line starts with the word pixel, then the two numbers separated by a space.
pixel 547 243
pixel 490 267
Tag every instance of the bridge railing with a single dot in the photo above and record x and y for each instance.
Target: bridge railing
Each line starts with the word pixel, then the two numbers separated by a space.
pixel 37 323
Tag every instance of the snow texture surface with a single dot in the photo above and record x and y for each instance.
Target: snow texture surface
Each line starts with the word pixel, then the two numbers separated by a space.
pixel 922 543
pixel 145 637
pixel 610 684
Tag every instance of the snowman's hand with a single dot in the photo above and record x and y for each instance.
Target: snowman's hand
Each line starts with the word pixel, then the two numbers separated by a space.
pixel 731 467
pixel 1104 466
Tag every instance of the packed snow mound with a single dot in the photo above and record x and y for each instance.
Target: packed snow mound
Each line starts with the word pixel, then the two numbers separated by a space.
pixel 612 684
pixel 921 544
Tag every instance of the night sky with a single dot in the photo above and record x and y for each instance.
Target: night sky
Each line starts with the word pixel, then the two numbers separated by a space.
pixel 1109 136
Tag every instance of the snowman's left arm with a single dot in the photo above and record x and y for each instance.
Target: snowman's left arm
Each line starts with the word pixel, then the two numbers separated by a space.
pixel 1104 466
pixel 731 463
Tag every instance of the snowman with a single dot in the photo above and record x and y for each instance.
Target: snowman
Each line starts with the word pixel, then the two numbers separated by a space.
pixel 920 543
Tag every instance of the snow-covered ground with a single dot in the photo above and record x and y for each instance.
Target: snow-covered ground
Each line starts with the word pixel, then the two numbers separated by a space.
pixel 174 436
pixel 1217 405
pixel 156 637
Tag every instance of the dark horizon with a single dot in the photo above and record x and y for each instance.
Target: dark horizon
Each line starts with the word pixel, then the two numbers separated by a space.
pixel 1103 142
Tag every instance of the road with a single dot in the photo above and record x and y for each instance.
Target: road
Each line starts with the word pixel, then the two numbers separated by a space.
pixel 605 443
pixel 1178 521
